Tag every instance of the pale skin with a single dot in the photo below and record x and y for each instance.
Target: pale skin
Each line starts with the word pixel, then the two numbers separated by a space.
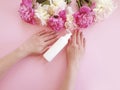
pixel 74 53
pixel 38 43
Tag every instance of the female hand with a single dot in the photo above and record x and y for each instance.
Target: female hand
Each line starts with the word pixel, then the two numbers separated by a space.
pixel 75 48
pixel 39 42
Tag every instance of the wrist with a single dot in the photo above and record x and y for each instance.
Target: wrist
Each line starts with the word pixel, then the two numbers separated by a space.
pixel 21 52
pixel 74 66
pixel 74 63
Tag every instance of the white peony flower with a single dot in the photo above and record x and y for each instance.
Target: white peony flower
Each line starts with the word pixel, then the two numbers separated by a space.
pixel 69 24
pixel 103 9
pixel 45 11
pixel 58 5
pixel 42 13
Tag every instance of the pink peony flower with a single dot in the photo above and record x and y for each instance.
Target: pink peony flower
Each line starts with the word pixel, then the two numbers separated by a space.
pixel 62 14
pixel 27 3
pixel 84 17
pixel 56 23
pixel 27 12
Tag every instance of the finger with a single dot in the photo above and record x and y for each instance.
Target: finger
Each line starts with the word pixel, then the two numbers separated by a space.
pixel 44 32
pixel 49 34
pixel 81 38
pixel 50 42
pixel 47 38
pixel 69 42
pixel 41 32
pixel 78 37
pixel 84 42
pixel 74 37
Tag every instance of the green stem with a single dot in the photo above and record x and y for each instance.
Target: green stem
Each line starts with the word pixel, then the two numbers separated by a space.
pixel 80 3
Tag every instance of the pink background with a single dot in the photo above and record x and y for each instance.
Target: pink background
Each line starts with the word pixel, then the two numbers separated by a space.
pixel 100 69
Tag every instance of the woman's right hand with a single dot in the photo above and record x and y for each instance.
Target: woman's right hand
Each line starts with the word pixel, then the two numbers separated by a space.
pixel 75 48
pixel 38 43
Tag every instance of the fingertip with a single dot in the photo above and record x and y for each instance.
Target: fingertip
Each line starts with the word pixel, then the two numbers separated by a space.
pixel 41 32
pixel 78 36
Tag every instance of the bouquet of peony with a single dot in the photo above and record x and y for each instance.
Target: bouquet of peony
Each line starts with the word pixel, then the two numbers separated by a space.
pixel 59 15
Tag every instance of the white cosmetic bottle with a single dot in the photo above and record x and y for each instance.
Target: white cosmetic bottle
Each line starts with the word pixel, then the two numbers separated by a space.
pixel 57 47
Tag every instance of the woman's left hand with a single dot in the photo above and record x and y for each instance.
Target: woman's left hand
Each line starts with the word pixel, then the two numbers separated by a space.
pixel 38 43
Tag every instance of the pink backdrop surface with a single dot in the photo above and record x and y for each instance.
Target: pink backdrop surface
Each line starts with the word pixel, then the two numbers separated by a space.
pixel 100 69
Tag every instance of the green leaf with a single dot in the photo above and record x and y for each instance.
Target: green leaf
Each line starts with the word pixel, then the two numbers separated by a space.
pixel 41 1
pixel 68 1
pixel 89 2
pixel 84 2
pixel 79 2
pixel 47 2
